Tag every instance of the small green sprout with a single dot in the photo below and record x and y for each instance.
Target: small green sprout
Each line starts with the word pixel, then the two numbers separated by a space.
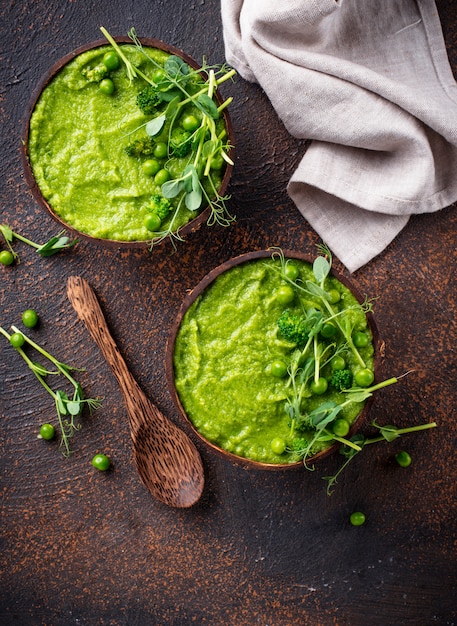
pixel 68 406
pixel 49 248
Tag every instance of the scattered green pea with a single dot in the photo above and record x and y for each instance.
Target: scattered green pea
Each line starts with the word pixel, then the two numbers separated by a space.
pixel 403 459
pixel 190 123
pixel 291 271
pixel 360 339
pixel 161 177
pixel 111 60
pixel 6 257
pixel 328 330
pixel 30 318
pixel 47 432
pixel 217 162
pixel 152 222
pixel 101 462
pixel 341 427
pixel 158 75
pixel 278 445
pixel 334 296
pixel 151 167
pixel 364 377
pixel 278 369
pixel 106 86
pixel 319 387
pixel 285 294
pixel 17 340
pixel 338 363
pixel 357 518
pixel 160 150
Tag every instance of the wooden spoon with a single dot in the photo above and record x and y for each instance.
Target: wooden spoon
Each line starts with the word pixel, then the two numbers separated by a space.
pixel 166 460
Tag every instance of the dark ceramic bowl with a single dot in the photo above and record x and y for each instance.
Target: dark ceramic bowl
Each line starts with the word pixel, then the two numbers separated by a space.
pixel 197 291
pixel 184 230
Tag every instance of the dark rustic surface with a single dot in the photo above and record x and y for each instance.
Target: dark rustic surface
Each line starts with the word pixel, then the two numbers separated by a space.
pixel 81 547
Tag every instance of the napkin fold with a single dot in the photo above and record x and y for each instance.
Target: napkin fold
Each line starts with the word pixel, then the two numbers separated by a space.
pixel 370 84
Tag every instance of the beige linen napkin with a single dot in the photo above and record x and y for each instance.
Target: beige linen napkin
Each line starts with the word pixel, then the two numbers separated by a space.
pixel 370 83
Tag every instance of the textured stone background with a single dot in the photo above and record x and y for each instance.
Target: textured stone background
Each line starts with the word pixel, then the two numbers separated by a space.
pixel 86 548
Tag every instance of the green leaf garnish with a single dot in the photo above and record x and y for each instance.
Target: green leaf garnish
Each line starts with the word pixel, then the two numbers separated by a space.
pixel 154 127
pixel 321 269
pixel 182 86
pixel 208 105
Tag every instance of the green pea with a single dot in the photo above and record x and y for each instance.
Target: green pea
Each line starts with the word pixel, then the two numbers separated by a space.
pixel 319 387
pixel 151 167
pixel 291 271
pixel 152 222
pixel 190 122
pixel 360 339
pixel 334 296
pixel 341 427
pixel 160 150
pixel 338 363
pixel 161 177
pixel 30 318
pixel 106 86
pixel 278 369
pixel 17 340
pixel 47 432
pixel 403 459
pixel 285 294
pixel 6 257
pixel 158 75
pixel 357 518
pixel 101 462
pixel 364 377
pixel 328 330
pixel 111 60
pixel 278 445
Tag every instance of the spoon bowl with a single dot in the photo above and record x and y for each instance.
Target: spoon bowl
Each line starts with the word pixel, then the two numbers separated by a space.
pixel 167 461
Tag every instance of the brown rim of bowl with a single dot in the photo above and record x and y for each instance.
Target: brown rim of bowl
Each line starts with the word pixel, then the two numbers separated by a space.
pixel 188 228
pixel 193 295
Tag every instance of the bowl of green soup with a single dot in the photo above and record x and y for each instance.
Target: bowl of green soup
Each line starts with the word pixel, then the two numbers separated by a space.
pixel 129 142
pixel 273 359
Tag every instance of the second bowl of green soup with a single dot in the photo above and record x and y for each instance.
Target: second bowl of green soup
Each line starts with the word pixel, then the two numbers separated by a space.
pixel 272 359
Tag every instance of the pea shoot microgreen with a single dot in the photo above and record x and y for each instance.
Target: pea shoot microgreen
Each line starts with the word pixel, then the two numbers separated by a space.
pixel 311 431
pixel 323 336
pixel 355 444
pixel 69 406
pixel 173 87
pixel 49 248
pixel 316 289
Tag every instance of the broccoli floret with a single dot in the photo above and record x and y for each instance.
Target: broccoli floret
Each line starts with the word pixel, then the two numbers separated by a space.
pixel 341 379
pixel 140 147
pixel 293 327
pixel 180 142
pixel 160 206
pixel 95 74
pixel 159 209
pixel 299 444
pixel 148 99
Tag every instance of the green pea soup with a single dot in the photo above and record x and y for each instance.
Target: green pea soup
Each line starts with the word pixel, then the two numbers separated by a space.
pixel 224 346
pixel 77 136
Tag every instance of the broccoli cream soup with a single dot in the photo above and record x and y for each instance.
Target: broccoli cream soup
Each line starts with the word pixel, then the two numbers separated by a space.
pixel 103 145
pixel 271 363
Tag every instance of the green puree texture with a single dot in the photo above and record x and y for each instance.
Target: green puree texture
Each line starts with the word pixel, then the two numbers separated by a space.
pixel 224 344
pixel 77 145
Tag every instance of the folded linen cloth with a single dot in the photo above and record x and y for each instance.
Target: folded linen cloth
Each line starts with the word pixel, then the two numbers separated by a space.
pixel 370 83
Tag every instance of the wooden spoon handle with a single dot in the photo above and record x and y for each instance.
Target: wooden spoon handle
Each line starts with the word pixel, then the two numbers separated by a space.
pixel 87 307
